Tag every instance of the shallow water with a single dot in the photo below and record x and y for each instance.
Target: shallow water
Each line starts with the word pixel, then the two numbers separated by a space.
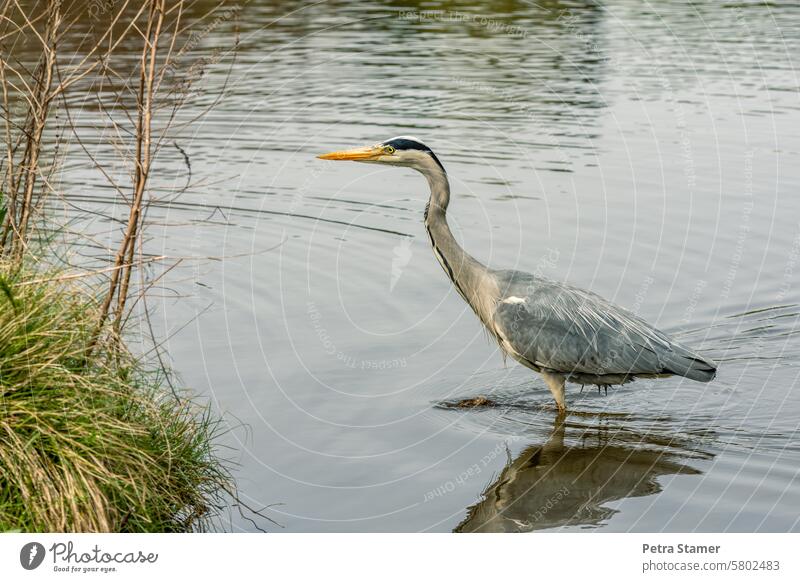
pixel 646 151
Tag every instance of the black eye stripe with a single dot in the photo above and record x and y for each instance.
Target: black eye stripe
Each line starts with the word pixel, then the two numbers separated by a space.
pixel 407 144
pixel 410 144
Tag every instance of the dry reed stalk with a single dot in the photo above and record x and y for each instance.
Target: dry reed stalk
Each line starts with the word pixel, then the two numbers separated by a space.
pixel 157 25
pixel 123 262
pixel 25 183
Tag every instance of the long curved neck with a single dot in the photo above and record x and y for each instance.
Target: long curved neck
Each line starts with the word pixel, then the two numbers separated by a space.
pixel 471 278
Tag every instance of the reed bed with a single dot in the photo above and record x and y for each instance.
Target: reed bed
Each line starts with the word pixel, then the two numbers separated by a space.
pixel 91 437
pixel 92 445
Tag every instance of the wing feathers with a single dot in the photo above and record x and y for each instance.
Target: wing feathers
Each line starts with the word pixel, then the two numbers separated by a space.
pixel 567 329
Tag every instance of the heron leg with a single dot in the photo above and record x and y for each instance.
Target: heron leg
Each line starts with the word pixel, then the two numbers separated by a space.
pixel 556 384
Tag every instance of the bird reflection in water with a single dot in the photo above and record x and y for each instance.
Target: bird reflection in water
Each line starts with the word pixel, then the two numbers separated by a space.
pixel 555 484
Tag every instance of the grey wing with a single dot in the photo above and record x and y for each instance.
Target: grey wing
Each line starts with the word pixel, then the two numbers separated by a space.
pixel 565 329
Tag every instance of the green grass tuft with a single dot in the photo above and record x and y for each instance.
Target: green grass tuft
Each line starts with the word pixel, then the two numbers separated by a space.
pixel 98 446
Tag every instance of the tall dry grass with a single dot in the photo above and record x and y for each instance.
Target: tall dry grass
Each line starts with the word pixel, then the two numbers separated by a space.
pixel 132 68
pixel 96 446
pixel 89 438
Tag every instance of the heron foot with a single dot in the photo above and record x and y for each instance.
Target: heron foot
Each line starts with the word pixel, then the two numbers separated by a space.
pixel 556 384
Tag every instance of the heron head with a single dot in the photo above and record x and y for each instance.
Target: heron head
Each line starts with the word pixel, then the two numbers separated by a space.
pixel 398 151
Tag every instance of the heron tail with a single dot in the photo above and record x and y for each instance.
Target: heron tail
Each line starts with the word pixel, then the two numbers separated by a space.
pixel 683 362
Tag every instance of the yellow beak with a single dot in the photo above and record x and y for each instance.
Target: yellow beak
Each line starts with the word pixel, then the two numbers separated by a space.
pixel 357 154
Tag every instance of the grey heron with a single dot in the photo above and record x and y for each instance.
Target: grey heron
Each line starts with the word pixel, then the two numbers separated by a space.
pixel 562 332
pixel 573 476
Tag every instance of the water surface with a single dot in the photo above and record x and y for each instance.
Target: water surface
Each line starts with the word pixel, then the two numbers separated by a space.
pixel 646 151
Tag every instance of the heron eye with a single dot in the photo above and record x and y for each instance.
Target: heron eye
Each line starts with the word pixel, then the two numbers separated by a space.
pixel 388 149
